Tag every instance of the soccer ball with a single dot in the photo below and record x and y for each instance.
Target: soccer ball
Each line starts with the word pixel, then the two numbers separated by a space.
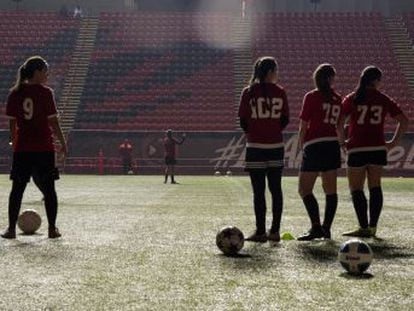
pixel 355 256
pixel 217 173
pixel 130 172
pixel 29 221
pixel 229 173
pixel 230 240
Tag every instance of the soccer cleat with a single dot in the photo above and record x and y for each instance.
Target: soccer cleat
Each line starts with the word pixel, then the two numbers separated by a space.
pixel 360 232
pixel 326 233
pixel 54 233
pixel 9 234
pixel 373 231
pixel 254 237
pixel 313 233
pixel 273 236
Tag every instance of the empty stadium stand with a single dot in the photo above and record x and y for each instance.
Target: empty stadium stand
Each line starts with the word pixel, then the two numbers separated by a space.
pixel 24 34
pixel 350 41
pixel 157 70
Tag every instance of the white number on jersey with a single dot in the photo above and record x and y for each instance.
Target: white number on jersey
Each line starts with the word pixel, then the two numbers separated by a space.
pixel 261 109
pixel 28 108
pixel 331 113
pixel 375 118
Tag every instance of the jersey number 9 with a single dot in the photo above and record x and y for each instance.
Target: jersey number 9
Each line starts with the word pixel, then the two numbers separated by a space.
pixel 28 108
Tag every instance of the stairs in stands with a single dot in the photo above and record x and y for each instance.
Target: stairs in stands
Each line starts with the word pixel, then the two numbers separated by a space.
pixel 402 47
pixel 242 62
pixel 77 72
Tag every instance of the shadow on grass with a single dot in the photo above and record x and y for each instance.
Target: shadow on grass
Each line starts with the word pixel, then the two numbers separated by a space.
pixel 384 250
pixel 254 257
pixel 321 251
pixel 363 276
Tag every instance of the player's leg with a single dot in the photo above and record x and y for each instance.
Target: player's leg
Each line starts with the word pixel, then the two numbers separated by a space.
pixel 258 181
pixel 172 172
pixel 166 170
pixel 356 179
pixel 274 179
pixel 329 185
pixel 306 183
pixel 46 173
pixel 15 202
pixel 375 196
pixel 20 175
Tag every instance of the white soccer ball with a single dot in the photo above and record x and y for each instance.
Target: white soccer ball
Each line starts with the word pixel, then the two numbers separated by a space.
pixel 29 221
pixel 229 173
pixel 217 173
pixel 355 256
pixel 130 172
pixel 230 240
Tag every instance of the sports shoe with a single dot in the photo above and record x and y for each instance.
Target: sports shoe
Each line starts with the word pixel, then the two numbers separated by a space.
pixel 373 231
pixel 254 237
pixel 360 232
pixel 273 236
pixel 54 233
pixel 9 234
pixel 326 233
pixel 313 233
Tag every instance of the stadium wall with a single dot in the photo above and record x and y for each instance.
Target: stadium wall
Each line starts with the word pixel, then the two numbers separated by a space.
pixel 202 153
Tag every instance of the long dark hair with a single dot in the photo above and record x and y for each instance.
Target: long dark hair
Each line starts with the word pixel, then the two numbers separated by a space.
pixel 368 76
pixel 321 77
pixel 261 68
pixel 27 71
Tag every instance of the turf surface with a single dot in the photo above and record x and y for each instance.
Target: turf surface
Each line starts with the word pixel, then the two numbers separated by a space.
pixel 133 243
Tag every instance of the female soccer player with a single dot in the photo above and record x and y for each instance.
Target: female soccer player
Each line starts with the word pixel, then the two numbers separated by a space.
pixel 366 109
pixel 32 112
pixel 321 151
pixel 263 114
pixel 170 143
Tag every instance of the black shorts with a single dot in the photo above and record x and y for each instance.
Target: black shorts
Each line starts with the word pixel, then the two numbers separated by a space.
pixel 39 165
pixel 363 158
pixel 170 161
pixel 321 157
pixel 264 159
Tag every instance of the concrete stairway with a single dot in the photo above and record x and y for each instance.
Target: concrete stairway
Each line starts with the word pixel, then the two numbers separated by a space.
pixel 242 62
pixel 78 70
pixel 403 48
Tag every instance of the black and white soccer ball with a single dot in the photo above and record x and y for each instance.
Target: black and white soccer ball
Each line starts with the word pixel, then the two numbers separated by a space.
pixel 230 240
pixel 355 256
pixel 29 221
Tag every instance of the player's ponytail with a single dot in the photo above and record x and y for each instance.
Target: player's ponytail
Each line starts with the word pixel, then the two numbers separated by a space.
pixel 369 75
pixel 261 68
pixel 27 71
pixel 322 79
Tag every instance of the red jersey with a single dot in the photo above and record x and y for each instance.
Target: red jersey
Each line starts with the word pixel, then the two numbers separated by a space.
pixel 169 147
pixel 125 150
pixel 262 106
pixel 366 120
pixel 32 106
pixel 322 117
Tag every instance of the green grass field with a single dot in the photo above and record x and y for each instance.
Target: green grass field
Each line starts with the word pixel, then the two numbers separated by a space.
pixel 133 243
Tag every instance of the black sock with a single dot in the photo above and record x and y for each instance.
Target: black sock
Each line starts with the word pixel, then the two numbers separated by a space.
pixel 166 177
pixel 51 203
pixel 312 208
pixel 330 210
pixel 258 184
pixel 15 202
pixel 361 207
pixel 375 205
pixel 172 178
pixel 274 178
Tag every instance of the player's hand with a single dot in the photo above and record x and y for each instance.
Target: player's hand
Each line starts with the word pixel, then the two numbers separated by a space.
pixel 390 144
pixel 63 152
